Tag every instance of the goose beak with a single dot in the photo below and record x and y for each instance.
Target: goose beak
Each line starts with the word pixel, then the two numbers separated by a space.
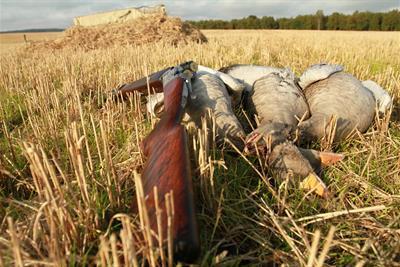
pixel 329 158
pixel 314 183
pixel 251 143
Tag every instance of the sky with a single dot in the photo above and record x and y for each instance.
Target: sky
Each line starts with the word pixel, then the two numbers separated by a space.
pixel 36 14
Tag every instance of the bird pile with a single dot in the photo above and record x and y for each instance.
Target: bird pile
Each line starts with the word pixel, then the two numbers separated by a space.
pixel 324 103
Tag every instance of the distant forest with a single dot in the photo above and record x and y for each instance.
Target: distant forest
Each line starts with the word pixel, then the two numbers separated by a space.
pixel 35 30
pixel 358 21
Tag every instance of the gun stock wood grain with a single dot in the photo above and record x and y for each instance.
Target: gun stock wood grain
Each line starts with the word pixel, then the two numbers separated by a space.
pixel 168 168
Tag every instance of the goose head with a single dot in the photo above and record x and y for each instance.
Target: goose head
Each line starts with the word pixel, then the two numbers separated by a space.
pixel 287 158
pixel 266 136
pixel 283 157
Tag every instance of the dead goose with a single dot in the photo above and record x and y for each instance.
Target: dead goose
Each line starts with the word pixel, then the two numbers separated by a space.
pixel 278 101
pixel 331 93
pixel 208 93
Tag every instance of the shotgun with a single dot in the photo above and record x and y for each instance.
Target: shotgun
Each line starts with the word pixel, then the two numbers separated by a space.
pixel 167 163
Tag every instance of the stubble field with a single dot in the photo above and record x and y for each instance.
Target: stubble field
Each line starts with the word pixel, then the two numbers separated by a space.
pixel 11 41
pixel 68 155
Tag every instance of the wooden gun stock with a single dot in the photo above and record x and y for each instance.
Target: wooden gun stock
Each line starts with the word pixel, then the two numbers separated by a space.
pixel 168 167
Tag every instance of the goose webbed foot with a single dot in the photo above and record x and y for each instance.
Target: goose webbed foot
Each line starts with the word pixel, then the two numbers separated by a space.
pixel 314 183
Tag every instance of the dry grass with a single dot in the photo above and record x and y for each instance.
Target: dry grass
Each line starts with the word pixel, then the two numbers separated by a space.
pixel 144 30
pixel 68 155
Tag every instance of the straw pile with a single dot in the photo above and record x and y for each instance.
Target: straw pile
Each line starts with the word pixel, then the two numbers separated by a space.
pixel 144 30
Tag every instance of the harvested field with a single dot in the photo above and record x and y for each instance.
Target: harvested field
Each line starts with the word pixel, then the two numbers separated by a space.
pixel 13 41
pixel 68 155
pixel 143 30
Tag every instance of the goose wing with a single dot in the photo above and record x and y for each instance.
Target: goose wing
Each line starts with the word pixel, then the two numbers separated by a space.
pixel 318 72
pixel 383 100
pixel 248 74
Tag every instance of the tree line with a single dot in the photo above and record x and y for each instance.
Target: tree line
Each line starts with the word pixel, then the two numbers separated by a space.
pixel 358 21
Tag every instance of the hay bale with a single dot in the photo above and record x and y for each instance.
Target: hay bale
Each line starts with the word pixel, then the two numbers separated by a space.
pixel 143 30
